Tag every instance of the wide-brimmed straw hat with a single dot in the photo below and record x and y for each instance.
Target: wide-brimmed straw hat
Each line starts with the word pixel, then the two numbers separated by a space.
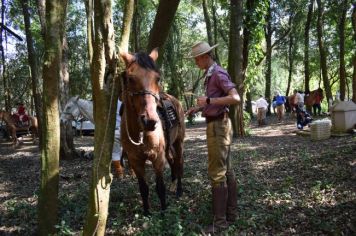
pixel 200 49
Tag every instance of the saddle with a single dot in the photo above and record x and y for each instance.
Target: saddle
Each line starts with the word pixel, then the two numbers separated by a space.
pixel 167 113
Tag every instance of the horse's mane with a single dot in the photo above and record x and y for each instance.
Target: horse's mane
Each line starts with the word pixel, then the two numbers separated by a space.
pixel 145 61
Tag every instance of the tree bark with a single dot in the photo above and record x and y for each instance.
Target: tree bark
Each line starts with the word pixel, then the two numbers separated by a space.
pixel 306 45
pixel 235 65
pixel 67 149
pixel 105 96
pixel 353 19
pixel 209 30
pixel 250 5
pixel 216 30
pixel 290 57
pixel 342 70
pixel 162 24
pixel 268 36
pixel 34 67
pixel 323 59
pixel 48 197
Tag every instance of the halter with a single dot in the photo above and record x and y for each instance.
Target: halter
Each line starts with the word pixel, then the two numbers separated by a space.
pixel 132 94
pixel 144 91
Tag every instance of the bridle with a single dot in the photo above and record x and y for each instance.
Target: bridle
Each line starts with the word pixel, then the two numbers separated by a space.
pixel 133 94
pixel 141 92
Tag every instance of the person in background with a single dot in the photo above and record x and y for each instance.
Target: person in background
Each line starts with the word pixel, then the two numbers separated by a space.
pixel 317 104
pixel 303 118
pixel 220 92
pixel 21 116
pixel 299 100
pixel 117 149
pixel 280 101
pixel 261 110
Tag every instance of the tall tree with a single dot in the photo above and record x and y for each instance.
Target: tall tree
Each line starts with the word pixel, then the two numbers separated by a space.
pixel 290 56
pixel 34 65
pixel 268 70
pixel 162 24
pixel 67 149
pixel 209 29
pixel 235 64
pixel 353 19
pixel 306 45
pixel 342 70
pixel 322 51
pixel 48 197
pixel 105 79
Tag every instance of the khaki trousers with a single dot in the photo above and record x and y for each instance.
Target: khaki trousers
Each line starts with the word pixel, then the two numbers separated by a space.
pixel 219 136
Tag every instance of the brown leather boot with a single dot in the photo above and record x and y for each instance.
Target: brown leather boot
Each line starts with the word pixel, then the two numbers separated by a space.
pixel 231 212
pixel 118 169
pixel 219 210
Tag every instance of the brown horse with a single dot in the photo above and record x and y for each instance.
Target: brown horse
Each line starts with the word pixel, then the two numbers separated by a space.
pixel 149 129
pixel 309 100
pixel 12 128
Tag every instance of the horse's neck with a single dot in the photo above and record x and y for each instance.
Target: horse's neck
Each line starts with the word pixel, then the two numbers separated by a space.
pixel 86 108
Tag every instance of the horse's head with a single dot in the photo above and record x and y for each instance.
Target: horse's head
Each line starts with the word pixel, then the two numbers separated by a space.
pixel 320 92
pixel 71 110
pixel 141 87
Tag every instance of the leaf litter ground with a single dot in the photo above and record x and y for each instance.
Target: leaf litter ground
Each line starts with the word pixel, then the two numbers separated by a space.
pixel 287 185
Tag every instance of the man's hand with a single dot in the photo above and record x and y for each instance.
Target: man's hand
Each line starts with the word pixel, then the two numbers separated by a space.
pixel 191 111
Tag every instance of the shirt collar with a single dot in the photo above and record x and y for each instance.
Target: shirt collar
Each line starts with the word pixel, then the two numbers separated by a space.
pixel 210 70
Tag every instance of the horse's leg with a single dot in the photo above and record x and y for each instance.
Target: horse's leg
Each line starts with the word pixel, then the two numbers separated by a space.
pixel 177 170
pixel 139 169
pixel 158 166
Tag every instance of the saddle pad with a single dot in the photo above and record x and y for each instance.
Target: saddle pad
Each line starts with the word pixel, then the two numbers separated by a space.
pixel 168 114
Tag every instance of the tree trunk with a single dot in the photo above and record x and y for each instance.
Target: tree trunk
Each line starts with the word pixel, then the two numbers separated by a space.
pixel 342 70
pixel 105 97
pixel 235 65
pixel 323 60
pixel 136 32
pixel 48 197
pixel 34 67
pixel 216 30
pixel 162 24
pixel 67 149
pixel 306 45
pixel 268 35
pixel 245 50
pixel 290 57
pixel 3 62
pixel 209 30
pixel 353 19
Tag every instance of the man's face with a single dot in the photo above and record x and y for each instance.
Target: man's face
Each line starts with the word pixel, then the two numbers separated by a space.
pixel 200 61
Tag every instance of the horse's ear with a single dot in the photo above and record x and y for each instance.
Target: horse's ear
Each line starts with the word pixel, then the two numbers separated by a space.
pixel 127 57
pixel 76 98
pixel 154 54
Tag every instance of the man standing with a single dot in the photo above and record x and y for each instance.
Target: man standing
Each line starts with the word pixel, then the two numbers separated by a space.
pixel 261 109
pixel 299 100
pixel 280 100
pixel 220 92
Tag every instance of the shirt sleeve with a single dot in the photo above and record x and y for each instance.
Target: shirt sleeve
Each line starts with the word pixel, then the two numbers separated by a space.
pixel 224 82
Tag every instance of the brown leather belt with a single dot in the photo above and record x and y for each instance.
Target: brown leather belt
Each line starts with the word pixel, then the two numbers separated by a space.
pixel 222 116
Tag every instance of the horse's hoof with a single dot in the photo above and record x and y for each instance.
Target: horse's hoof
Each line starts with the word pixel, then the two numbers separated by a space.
pixel 147 213
pixel 179 193
pixel 173 186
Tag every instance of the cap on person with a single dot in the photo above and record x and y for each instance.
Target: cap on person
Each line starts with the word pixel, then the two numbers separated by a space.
pixel 201 48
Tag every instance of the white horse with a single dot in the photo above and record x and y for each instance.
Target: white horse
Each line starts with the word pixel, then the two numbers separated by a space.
pixel 75 107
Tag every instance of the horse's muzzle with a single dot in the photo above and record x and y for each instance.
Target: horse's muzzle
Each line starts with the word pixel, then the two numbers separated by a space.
pixel 148 124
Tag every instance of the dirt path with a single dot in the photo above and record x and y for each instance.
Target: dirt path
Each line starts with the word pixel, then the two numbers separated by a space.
pixel 288 185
